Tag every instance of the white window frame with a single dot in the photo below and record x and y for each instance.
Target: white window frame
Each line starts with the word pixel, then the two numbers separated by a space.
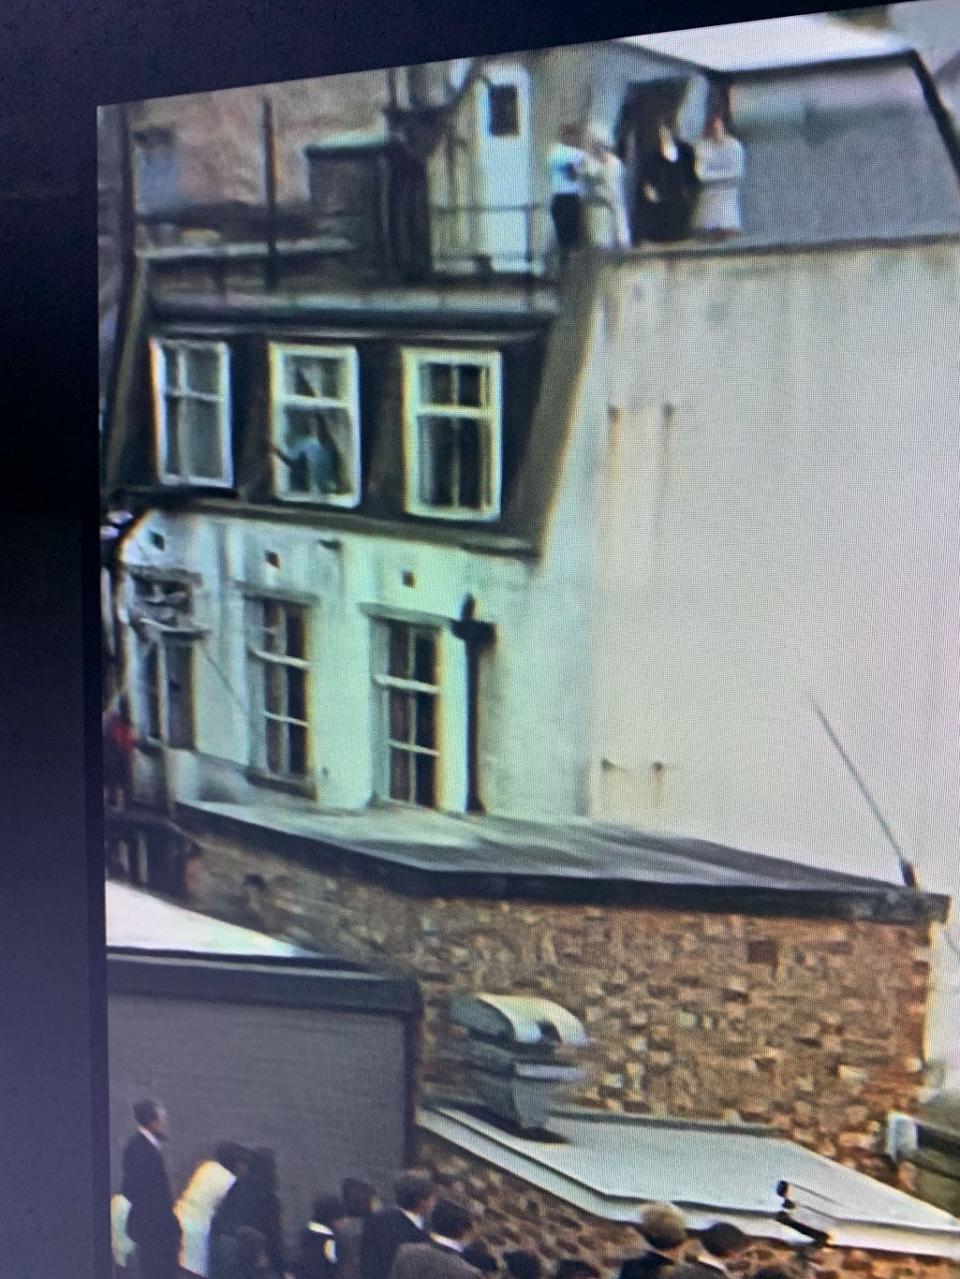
pixel 259 715
pixel 413 408
pixel 385 683
pixel 280 401
pixel 221 398
pixel 156 646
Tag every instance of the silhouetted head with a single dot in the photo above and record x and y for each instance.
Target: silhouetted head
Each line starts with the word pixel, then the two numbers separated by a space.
pixel 723 1239
pixel 358 1197
pixel 450 1220
pixel 328 1210
pixel 664 1228
pixel 522 1265
pixel 574 1268
pixel 415 1191
pixel 152 1117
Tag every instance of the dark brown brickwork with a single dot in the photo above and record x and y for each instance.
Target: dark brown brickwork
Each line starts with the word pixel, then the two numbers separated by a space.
pixel 509 1213
pixel 812 1026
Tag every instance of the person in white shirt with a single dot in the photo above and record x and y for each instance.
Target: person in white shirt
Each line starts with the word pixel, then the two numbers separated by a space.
pixel 202 1196
pixel 720 168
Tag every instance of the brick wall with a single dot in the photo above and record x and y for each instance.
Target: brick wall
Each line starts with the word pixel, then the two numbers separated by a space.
pixel 813 1026
pixel 509 1213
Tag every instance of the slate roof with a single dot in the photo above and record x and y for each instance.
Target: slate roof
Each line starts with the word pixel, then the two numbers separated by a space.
pixel 576 860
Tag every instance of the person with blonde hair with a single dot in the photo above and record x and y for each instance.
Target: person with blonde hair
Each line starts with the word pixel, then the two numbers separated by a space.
pixel 665 1231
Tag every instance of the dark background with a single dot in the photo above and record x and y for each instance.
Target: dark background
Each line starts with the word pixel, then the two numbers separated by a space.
pixel 58 60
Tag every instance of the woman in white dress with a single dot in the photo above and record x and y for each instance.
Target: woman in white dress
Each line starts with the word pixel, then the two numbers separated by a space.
pixel 720 168
pixel 203 1195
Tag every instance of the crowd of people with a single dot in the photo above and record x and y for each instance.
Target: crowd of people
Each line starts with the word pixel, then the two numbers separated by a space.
pixel 227 1225
pixel 676 189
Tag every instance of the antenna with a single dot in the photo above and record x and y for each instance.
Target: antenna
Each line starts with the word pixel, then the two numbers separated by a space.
pixel 906 870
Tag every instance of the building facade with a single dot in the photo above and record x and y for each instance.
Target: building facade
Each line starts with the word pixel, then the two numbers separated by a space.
pixel 446 565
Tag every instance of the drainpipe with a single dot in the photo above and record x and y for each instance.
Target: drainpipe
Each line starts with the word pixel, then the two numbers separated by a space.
pixel 477 637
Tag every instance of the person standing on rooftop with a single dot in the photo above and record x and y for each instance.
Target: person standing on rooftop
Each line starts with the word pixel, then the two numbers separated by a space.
pixel 720 167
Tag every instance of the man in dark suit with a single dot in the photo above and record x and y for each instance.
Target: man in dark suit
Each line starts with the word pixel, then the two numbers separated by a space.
pixel 441 1257
pixel 151 1223
pixel 385 1231
pixel 717 1245
pixel 665 1232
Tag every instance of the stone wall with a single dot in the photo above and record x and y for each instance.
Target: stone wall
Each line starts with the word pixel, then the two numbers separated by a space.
pixel 510 1213
pixel 812 1026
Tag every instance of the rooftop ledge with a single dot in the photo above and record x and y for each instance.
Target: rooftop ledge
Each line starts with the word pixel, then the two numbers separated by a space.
pixel 255 250
pixel 611 1165
pixel 578 861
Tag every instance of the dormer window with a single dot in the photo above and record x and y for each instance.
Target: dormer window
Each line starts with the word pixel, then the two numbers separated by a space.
pixel 192 412
pixel 452 433
pixel 315 424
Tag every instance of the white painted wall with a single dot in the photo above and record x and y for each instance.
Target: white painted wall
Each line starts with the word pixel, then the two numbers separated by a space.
pixel 527 715
pixel 788 530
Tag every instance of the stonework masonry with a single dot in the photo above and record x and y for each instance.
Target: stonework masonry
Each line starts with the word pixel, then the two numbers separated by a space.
pixel 812 1026
pixel 509 1213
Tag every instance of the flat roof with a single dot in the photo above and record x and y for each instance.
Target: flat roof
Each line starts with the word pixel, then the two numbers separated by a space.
pixel 139 921
pixel 611 1165
pixel 773 43
pixel 575 859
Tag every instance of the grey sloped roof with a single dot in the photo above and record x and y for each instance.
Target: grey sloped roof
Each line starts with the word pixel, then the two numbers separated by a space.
pixel 772 44
pixel 573 858
pixel 611 1165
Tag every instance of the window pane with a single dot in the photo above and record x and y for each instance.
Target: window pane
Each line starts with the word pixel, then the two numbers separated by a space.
pixel 275 699
pixel 171 367
pixel 426 727
pixel 202 427
pixel 273 616
pixel 296 693
pixel 172 464
pixel 331 379
pixel 151 690
pixel 180 694
pixel 203 370
pixel 424 657
pixel 302 375
pixel 437 461
pixel 312 459
pixel 399 650
pixel 470 465
pixel 275 734
pixel 425 780
pixel 399 716
pixel 297 736
pixel 296 640
pixel 399 775
pixel 504 102
pixel 436 383
pixel 471 385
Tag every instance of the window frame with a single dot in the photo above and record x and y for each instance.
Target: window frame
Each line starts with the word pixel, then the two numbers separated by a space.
pixel 280 401
pixel 261 659
pixel 153 670
pixel 413 358
pixel 384 683
pixel 158 347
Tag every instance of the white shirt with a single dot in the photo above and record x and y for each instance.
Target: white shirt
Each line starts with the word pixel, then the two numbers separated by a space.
pixel 154 1141
pixel 453 1244
pixel 412 1216
pixel 330 1247
pixel 567 166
